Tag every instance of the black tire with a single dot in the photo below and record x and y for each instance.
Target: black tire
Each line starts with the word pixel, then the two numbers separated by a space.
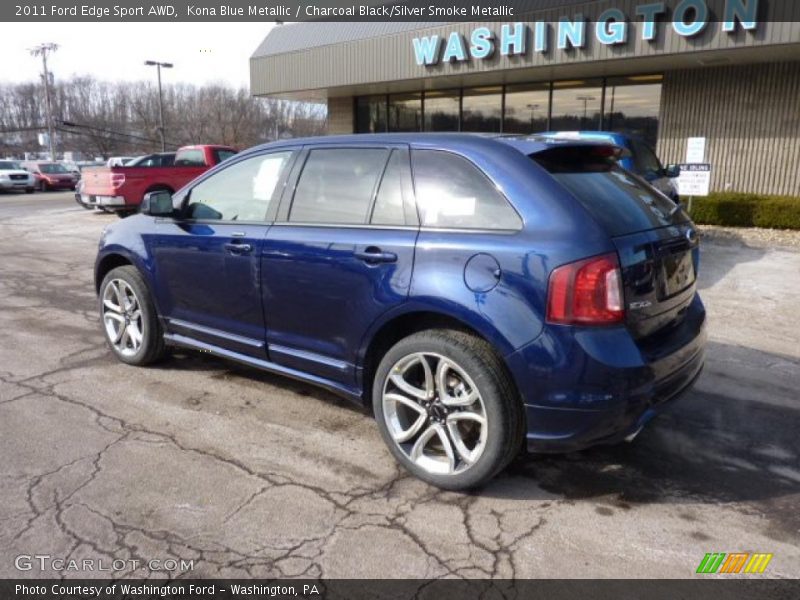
pixel 30 190
pixel 500 401
pixel 122 214
pixel 43 187
pixel 152 347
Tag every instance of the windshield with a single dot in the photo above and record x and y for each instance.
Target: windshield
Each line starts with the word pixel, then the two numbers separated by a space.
pixel 620 201
pixel 7 165
pixel 52 168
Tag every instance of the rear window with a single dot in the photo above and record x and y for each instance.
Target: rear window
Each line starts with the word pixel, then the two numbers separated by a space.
pixel 621 202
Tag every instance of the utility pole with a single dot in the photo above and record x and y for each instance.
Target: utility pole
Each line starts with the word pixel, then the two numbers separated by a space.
pixel 42 50
pixel 158 65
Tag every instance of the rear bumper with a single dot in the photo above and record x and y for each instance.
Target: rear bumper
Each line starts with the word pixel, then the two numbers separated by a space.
pixel 111 202
pixel 589 387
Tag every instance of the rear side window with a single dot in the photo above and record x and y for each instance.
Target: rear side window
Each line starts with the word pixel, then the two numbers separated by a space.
pixel 453 193
pixel 389 206
pixel 618 200
pixel 221 154
pixel 190 158
pixel 336 185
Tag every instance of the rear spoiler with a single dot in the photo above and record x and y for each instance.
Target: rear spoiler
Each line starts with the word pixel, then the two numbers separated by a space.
pixel 533 145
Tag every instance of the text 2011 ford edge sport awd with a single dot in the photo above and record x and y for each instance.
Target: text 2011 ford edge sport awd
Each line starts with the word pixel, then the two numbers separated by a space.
pixel 477 292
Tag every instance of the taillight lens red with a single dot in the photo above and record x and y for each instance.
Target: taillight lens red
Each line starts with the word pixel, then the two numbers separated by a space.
pixel 587 292
pixel 117 179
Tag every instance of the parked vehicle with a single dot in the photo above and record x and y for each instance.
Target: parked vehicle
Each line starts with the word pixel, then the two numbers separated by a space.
pixel 51 175
pixel 477 293
pixel 14 177
pixel 640 158
pixel 121 189
pixel 161 159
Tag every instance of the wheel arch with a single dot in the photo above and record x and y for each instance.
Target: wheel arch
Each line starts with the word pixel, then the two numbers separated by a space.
pixel 384 334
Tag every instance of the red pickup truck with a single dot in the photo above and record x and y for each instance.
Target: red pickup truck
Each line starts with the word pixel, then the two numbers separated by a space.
pixel 121 189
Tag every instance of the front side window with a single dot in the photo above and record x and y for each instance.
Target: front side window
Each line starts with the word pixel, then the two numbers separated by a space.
pixel 336 185
pixel 242 192
pixel 453 193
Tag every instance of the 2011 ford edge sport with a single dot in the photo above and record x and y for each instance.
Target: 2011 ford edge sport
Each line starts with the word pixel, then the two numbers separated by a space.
pixel 476 292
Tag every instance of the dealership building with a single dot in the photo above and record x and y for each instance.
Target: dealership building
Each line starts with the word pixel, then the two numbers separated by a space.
pixel 728 73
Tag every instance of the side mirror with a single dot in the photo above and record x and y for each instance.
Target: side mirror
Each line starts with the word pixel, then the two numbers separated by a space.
pixel 672 171
pixel 157 204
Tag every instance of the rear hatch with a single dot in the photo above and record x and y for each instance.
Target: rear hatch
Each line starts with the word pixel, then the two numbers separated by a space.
pixel 655 239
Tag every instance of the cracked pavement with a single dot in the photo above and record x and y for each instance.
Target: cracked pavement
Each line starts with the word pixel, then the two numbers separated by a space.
pixel 253 475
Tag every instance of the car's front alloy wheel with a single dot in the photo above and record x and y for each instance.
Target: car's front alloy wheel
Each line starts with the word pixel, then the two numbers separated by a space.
pixel 447 408
pixel 122 317
pixel 130 322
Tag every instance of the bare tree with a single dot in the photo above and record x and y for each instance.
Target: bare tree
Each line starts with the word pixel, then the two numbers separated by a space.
pixel 99 118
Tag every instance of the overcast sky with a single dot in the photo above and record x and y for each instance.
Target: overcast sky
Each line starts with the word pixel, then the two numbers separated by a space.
pixel 201 52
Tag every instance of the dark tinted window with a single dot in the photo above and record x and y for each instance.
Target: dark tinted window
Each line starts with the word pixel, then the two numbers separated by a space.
pixel 389 208
pixel 453 193
pixel 242 192
pixel 223 154
pixel 618 200
pixel 337 184
pixel 7 165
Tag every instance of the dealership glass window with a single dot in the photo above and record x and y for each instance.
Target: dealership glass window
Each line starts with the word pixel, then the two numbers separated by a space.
pixel 482 109
pixel 242 192
pixel 336 185
pixel 371 114
pixel 405 112
pixel 442 110
pixel 577 105
pixel 527 108
pixel 632 106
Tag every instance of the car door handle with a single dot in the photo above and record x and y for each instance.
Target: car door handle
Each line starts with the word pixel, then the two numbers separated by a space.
pixel 235 248
pixel 375 255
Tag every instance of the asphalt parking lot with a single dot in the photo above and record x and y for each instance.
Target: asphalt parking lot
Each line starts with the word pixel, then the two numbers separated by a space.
pixel 249 474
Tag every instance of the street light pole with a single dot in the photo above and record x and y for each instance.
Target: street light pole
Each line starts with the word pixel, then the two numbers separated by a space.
pixel 586 100
pixel 158 65
pixel 42 50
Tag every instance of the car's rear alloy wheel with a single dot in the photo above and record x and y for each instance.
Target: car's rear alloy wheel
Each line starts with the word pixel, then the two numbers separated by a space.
pixel 435 413
pixel 129 317
pixel 122 317
pixel 447 408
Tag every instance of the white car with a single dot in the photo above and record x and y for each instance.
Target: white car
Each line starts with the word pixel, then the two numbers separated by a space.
pixel 118 161
pixel 14 177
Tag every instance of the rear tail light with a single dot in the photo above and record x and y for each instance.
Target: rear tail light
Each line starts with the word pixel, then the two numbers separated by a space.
pixel 586 292
pixel 117 179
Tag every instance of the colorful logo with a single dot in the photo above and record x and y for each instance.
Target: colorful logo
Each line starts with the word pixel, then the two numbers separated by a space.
pixel 743 562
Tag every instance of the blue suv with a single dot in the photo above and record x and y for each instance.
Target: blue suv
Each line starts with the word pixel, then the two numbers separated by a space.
pixel 479 294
